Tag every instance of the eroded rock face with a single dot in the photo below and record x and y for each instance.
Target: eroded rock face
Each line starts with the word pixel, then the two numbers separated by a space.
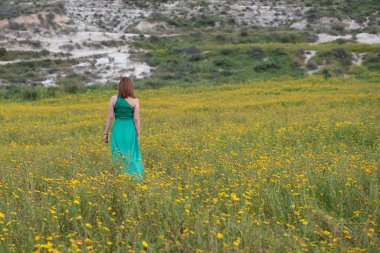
pixel 118 15
pixel 42 21
pixel 150 15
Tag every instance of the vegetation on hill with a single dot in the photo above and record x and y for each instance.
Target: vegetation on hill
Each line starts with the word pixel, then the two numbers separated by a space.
pixel 11 9
pixel 209 56
pixel 247 54
pixel 360 11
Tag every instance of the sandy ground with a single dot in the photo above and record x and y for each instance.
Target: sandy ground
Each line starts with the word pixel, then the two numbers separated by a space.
pixel 367 38
pixel 109 63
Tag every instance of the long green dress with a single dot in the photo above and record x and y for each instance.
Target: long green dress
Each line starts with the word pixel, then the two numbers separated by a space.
pixel 124 141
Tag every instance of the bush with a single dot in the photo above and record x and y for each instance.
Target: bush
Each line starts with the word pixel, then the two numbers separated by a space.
pixel 372 61
pixel 204 20
pixel 278 51
pixel 154 39
pixel 72 83
pixel 29 93
pixel 3 52
pixel 266 67
pixel 341 53
pixel 326 73
pixel 222 63
pixel 196 57
pixel 228 51
pixel 336 55
pixel 312 65
pixel 191 50
pixel 73 88
pixel 244 33
pixel 16 26
pixel 52 91
pixel 358 70
pixel 221 38
pixel 256 52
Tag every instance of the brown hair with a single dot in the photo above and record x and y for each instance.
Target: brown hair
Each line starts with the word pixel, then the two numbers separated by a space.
pixel 126 87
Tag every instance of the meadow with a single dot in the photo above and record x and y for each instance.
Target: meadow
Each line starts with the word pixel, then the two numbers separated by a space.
pixel 257 166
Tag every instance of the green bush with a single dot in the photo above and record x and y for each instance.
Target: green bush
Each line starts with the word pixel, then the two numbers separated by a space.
pixel 29 93
pixel 3 52
pixel 266 67
pixel 372 61
pixel 256 52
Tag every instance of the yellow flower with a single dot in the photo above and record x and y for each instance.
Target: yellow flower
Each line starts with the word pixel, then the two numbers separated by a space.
pixel 236 242
pixel 145 244
pixel 234 197
pixel 219 236
pixel 2 215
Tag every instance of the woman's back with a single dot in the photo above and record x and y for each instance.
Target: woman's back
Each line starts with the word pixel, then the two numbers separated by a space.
pixel 123 109
pixel 125 137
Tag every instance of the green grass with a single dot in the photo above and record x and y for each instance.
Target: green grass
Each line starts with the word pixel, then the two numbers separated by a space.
pixel 33 71
pixel 357 10
pixel 286 166
pixel 12 55
pixel 222 58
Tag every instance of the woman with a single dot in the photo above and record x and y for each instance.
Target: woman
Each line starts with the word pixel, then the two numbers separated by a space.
pixel 125 137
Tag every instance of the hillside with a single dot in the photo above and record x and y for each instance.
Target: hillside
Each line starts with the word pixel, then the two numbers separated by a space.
pixel 122 15
pixel 93 42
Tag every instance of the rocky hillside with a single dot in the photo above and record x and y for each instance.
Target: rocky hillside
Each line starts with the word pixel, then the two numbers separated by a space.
pixel 100 40
pixel 147 16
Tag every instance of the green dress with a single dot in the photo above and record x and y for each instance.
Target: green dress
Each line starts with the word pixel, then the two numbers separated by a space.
pixel 124 141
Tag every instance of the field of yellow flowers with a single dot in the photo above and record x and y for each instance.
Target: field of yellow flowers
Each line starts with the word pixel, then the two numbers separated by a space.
pixel 276 166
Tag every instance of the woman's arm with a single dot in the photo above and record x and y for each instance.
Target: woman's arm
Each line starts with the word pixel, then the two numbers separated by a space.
pixel 109 119
pixel 136 118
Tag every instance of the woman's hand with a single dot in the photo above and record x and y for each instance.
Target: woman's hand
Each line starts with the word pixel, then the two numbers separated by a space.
pixel 105 138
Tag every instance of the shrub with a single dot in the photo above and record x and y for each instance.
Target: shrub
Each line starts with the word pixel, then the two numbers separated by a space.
pixel 29 93
pixel 72 80
pixel 196 57
pixel 228 51
pixel 244 33
pixel 278 51
pixel 222 63
pixel 16 26
pixel 188 50
pixel 256 52
pixel 372 61
pixel 312 65
pixel 326 73
pixel 154 39
pixel 204 20
pixel 266 67
pixel 341 53
pixel 52 91
pixel 3 52
pixel 221 37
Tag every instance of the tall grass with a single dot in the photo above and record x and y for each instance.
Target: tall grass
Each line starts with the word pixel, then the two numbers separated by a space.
pixel 269 166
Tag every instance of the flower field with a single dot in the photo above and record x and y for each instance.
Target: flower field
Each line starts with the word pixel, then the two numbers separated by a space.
pixel 255 167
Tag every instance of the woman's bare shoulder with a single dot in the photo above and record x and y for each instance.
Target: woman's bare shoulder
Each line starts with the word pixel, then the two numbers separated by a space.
pixel 113 98
pixel 135 100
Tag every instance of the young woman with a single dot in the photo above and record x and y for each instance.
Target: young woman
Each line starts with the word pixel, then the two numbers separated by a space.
pixel 125 137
